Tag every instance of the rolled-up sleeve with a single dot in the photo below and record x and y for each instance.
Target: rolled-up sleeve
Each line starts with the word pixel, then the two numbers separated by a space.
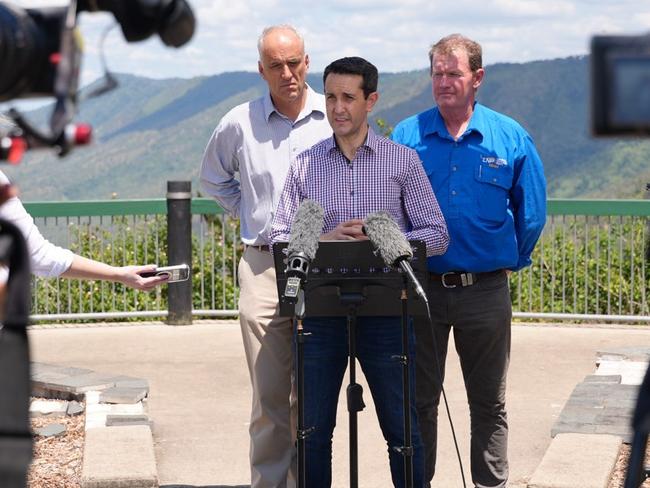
pixel 46 259
pixel 423 211
pixel 287 207
pixel 220 164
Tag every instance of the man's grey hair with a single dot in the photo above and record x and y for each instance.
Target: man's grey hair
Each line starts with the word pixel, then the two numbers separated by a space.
pixel 273 28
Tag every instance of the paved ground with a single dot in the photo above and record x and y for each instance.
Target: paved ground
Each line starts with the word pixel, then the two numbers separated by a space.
pixel 199 396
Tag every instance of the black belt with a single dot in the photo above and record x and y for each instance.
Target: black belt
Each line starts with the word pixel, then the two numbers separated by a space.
pixel 262 248
pixel 453 279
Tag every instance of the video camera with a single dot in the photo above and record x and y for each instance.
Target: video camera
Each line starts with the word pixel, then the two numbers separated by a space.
pixel 620 81
pixel 620 106
pixel 40 55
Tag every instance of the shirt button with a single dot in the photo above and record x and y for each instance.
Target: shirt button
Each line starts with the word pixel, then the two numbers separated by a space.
pixel 494 180
pixel 454 168
pixel 453 192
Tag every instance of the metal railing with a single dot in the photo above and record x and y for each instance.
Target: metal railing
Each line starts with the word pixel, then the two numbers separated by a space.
pixel 134 232
pixel 590 263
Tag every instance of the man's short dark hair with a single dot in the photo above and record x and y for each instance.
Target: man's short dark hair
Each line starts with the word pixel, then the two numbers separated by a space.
pixel 355 66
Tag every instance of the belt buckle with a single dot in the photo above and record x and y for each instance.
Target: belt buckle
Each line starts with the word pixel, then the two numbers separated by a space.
pixel 467 279
pixel 444 283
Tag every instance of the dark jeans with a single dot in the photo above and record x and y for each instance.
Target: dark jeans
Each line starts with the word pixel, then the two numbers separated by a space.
pixel 480 316
pixel 378 339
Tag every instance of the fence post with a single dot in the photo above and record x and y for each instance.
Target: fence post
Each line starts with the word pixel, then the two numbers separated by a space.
pixel 647 227
pixel 179 249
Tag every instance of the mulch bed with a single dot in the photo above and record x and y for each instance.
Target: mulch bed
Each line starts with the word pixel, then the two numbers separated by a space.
pixel 620 469
pixel 57 460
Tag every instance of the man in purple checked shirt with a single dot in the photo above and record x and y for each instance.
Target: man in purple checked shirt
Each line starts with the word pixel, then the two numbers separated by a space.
pixel 353 174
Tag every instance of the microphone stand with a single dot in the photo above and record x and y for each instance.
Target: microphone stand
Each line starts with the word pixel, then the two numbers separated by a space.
pixel 407 449
pixel 302 433
pixel 354 390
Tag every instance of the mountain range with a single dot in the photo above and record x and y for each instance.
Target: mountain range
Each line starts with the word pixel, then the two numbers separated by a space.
pixel 149 131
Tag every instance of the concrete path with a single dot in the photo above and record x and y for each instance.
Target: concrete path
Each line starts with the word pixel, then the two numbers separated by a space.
pixel 199 396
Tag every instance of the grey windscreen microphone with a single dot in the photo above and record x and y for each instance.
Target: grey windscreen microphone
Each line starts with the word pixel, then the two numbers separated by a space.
pixel 390 241
pixel 303 243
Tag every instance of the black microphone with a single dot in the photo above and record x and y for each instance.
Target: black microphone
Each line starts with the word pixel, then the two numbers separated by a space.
pixel 303 244
pixel 393 247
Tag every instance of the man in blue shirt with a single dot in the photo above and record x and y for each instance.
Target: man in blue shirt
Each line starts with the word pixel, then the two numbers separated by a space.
pixel 489 182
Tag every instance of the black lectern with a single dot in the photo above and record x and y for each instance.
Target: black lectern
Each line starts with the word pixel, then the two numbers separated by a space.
pixel 349 279
pixel 15 432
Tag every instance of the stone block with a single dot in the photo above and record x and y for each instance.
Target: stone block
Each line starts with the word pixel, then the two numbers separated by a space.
pixel 131 382
pixel 51 430
pixel 43 408
pixel 74 408
pixel 122 395
pixel 116 420
pixel 577 460
pixel 119 457
pixel 603 378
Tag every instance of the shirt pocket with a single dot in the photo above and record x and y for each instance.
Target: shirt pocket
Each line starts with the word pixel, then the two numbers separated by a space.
pixel 494 183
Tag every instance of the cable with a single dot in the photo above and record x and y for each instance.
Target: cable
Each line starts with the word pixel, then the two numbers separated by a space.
pixel 444 394
pixel 110 82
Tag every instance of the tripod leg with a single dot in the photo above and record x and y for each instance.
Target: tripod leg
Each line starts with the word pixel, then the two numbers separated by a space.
pixel 300 373
pixel 636 472
pixel 302 432
pixel 406 450
pixel 355 402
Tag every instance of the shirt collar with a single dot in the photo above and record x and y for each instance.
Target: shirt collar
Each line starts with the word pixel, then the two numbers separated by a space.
pixel 435 123
pixel 312 104
pixel 371 142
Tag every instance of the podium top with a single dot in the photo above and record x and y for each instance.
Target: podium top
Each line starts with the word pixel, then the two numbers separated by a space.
pixel 343 268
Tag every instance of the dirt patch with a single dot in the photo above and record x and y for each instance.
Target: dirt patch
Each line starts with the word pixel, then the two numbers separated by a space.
pixel 57 460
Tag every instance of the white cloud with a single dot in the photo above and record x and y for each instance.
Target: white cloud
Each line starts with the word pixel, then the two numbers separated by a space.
pixel 394 35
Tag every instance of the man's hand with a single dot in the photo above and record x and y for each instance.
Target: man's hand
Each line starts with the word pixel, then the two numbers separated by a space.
pixel 352 230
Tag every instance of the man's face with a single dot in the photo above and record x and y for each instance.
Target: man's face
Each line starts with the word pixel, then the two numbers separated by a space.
pixel 454 83
pixel 283 65
pixel 347 108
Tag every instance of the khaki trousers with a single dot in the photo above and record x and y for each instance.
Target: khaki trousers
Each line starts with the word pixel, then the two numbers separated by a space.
pixel 269 354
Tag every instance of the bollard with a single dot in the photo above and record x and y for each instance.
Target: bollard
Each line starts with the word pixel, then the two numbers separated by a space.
pixel 179 249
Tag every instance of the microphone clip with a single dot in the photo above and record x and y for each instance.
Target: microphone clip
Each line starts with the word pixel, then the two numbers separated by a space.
pixel 297 269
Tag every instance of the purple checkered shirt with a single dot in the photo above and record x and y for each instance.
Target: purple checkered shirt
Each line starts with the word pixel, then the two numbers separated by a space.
pixel 382 176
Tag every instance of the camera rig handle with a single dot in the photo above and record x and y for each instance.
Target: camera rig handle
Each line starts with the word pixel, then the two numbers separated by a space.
pixel 172 20
pixel 25 136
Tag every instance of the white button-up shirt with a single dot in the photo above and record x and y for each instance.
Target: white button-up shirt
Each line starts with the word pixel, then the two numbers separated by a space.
pixel 248 156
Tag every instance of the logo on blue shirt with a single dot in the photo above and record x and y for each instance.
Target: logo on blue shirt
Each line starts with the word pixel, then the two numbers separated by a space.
pixel 494 162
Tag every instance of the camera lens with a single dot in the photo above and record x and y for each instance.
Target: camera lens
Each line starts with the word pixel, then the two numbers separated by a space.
pixel 27 40
pixel 177 25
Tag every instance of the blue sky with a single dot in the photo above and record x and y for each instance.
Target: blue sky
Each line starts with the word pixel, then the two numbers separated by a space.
pixel 395 35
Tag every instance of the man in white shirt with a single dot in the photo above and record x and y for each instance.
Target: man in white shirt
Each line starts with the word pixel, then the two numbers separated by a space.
pixel 256 141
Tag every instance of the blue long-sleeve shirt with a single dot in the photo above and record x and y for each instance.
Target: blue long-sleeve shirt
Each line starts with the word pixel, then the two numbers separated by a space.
pixel 490 186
